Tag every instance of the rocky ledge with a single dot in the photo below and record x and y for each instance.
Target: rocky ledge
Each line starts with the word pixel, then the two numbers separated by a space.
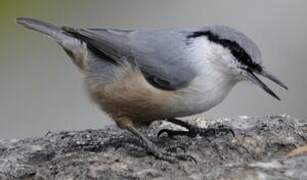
pixel 270 147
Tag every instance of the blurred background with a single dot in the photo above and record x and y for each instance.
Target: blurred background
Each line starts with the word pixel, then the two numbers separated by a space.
pixel 41 90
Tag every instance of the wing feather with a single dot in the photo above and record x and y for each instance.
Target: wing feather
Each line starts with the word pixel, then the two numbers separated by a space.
pixel 159 54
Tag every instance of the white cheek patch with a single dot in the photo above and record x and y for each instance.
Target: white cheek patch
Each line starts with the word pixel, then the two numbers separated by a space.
pixel 207 56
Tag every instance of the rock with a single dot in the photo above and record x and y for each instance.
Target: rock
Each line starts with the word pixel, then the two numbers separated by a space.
pixel 259 150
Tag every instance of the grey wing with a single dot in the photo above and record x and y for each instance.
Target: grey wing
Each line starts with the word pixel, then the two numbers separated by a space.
pixel 159 54
pixel 162 57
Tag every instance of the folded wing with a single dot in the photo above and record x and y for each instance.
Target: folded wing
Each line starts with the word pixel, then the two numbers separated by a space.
pixel 159 54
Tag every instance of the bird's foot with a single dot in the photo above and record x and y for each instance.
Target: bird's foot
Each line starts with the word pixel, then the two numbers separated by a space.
pixel 151 148
pixel 195 130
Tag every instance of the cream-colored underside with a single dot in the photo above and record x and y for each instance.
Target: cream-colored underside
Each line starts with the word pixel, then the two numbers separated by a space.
pixel 128 94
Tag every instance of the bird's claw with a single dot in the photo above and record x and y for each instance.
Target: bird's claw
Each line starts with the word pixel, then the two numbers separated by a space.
pixel 175 148
pixel 172 133
pixel 193 131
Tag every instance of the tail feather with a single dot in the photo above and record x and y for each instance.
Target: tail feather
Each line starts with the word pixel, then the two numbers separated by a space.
pixel 72 46
pixel 48 29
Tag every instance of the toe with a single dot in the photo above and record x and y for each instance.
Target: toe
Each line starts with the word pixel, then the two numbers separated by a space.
pixel 164 131
pixel 186 157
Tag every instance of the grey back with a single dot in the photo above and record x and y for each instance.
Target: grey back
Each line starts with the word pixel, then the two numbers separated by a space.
pixel 159 54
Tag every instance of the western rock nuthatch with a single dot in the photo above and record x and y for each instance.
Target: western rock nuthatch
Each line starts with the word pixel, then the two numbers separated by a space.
pixel 139 76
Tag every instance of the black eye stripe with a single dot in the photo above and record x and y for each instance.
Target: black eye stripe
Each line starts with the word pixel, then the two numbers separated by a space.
pixel 236 50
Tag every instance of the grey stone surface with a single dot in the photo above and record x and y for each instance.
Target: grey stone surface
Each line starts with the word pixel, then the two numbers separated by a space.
pixel 258 151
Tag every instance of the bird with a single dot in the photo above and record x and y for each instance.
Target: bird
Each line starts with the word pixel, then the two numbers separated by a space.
pixel 141 76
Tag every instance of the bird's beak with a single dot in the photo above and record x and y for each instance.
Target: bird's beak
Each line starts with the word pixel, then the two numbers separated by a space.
pixel 253 78
pixel 273 78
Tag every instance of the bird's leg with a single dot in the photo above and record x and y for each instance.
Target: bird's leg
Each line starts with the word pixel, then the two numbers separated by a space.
pixel 194 130
pixel 151 147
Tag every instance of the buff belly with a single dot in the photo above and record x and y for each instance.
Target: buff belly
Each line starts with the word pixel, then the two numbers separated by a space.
pixel 129 95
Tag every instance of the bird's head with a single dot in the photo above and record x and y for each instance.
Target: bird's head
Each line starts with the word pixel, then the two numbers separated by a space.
pixel 243 58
